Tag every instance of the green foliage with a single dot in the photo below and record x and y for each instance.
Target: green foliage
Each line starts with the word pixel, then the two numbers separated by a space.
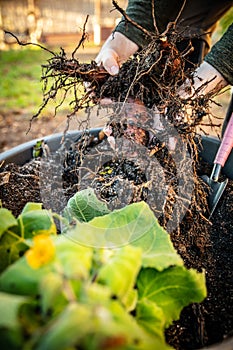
pixel 226 20
pixel 125 261
pixel 171 289
pixel 7 220
pixel 9 305
pixel 20 86
pixel 97 298
pixel 85 206
pixel 14 233
pixel 118 228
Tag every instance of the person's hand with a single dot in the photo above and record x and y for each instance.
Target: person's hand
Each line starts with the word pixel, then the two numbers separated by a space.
pixel 206 79
pixel 116 50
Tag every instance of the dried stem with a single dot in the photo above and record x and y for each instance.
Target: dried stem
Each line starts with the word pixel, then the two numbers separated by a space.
pixel 83 38
pixel 28 43
pixel 130 20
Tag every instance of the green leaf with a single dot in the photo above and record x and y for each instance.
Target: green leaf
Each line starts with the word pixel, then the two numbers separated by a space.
pixel 84 206
pixel 76 260
pixel 130 299
pixel 14 232
pixel 51 292
pixel 115 229
pixel 157 248
pixel 9 306
pixel 120 272
pixel 151 317
pixel 71 325
pixel 12 247
pixel 31 206
pixel 7 220
pixel 34 222
pixel 11 339
pixel 20 279
pixel 97 326
pixel 172 289
pixel 96 293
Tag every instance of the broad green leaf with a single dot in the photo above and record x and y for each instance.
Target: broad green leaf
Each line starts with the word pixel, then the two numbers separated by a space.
pixel 120 272
pixel 157 249
pixel 7 220
pixel 20 279
pixel 172 289
pixel 34 222
pixel 115 229
pixel 51 293
pixel 96 293
pixel 14 233
pixel 84 206
pixel 76 260
pixel 12 247
pixel 31 206
pixel 136 336
pixel 130 299
pixel 96 326
pixel 151 317
pixel 71 325
pixel 9 306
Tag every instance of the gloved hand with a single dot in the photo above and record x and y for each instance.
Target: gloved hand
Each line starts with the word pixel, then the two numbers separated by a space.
pixel 116 49
pixel 206 79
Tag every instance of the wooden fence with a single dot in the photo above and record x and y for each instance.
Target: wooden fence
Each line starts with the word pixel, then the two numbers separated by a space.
pixel 57 21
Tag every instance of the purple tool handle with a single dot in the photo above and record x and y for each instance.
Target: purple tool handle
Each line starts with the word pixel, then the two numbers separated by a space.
pixel 226 144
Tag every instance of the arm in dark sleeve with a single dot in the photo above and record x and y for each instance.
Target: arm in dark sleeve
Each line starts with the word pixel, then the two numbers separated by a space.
pixel 221 55
pixel 141 12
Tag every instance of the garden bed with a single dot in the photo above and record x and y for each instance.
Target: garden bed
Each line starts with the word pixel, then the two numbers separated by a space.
pixel 207 245
pixel 148 152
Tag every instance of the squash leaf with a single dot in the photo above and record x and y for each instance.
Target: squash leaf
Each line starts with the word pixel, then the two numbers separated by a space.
pixel 84 206
pixel 171 289
pixel 120 273
pixel 157 248
pixel 7 220
pixel 74 260
pixel 33 222
pixel 9 305
pixel 115 229
pixel 14 232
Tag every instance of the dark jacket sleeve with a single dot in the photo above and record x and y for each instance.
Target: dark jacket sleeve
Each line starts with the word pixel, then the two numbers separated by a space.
pixel 140 12
pixel 197 18
pixel 221 55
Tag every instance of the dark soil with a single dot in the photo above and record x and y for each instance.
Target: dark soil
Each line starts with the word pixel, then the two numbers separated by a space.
pixel 211 321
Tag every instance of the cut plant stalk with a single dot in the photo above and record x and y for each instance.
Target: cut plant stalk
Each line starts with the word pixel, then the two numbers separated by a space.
pixel 217 188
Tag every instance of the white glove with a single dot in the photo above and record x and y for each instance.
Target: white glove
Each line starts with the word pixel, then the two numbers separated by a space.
pixel 206 79
pixel 116 50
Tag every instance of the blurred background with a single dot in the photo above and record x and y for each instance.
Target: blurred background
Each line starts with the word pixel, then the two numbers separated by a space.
pixel 53 24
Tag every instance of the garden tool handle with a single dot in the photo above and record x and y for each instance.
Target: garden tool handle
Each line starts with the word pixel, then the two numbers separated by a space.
pixel 224 150
pixel 226 144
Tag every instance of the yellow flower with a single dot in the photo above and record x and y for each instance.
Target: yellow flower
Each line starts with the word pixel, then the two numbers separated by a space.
pixel 42 252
